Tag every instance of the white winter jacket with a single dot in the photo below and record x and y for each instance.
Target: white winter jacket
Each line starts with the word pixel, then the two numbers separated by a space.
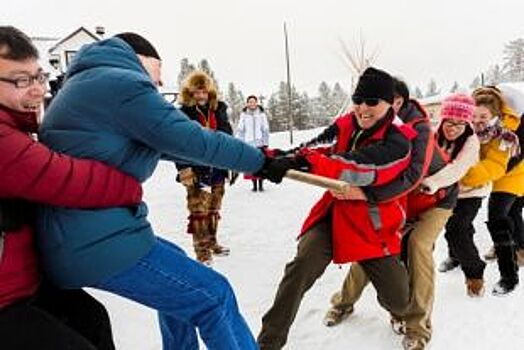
pixel 456 169
pixel 253 128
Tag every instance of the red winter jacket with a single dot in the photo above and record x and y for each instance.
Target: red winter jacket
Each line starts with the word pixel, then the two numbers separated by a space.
pixel 362 230
pixel 30 171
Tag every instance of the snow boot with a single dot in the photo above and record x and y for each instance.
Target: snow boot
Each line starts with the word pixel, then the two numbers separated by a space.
pixel 398 325
pixel 413 343
pixel 520 257
pixel 490 255
pixel 500 231
pixel 504 287
pixel 255 185
pixel 216 249
pixel 448 264
pixel 335 316
pixel 508 268
pixel 475 287
pixel 260 186
pixel 197 226
pixel 202 246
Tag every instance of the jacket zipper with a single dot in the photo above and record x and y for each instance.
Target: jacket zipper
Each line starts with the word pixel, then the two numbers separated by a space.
pixel 2 237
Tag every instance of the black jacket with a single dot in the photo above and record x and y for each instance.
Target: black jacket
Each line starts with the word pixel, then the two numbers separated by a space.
pixel 207 175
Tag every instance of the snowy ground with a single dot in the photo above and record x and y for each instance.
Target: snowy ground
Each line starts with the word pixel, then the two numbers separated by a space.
pixel 261 228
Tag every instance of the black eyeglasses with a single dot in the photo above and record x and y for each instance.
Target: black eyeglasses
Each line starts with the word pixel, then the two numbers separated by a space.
pixel 25 81
pixel 370 101
pixel 454 124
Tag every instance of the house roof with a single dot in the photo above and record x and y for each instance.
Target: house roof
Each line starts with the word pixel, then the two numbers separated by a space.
pixel 43 44
pixel 72 35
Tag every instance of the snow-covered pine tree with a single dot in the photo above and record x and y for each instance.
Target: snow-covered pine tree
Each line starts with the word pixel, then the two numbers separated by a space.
pixel 204 66
pixel 235 101
pixel 454 87
pixel 322 105
pixel 417 93
pixel 301 109
pixel 339 100
pixel 432 88
pixel 277 108
pixel 185 69
pixel 514 60
pixel 494 75
pixel 475 83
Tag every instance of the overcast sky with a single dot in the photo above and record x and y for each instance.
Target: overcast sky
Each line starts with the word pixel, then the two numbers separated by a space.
pixel 446 40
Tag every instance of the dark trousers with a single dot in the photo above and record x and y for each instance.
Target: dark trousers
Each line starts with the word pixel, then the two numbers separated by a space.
pixel 258 185
pixel 502 230
pixel 518 226
pixel 55 320
pixel 388 275
pixel 459 234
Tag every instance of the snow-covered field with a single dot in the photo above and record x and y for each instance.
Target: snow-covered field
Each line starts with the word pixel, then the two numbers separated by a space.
pixel 261 228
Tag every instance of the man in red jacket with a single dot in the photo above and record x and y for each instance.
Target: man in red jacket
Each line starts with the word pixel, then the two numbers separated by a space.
pixel 372 148
pixel 36 315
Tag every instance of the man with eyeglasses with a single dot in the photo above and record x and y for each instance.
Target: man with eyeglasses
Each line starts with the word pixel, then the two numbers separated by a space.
pixel 373 146
pixel 419 239
pixel 33 313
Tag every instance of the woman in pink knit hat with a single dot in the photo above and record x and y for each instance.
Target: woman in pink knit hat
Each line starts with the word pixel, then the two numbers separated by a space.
pixel 459 228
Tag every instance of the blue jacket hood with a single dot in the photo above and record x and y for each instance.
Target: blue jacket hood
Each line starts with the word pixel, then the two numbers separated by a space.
pixel 109 53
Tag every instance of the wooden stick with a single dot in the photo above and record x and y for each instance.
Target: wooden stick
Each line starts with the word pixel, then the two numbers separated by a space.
pixel 316 180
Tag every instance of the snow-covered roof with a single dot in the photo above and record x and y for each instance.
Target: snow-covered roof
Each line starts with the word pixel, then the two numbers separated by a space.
pixel 432 99
pixel 43 44
pixel 72 35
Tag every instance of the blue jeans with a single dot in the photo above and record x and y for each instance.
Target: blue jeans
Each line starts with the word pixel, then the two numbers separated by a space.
pixel 187 295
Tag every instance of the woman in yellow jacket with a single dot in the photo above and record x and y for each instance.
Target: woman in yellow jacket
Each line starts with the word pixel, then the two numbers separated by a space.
pixel 494 123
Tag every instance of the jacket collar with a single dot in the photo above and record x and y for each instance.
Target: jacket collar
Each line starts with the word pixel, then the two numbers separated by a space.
pixel 376 132
pixel 23 121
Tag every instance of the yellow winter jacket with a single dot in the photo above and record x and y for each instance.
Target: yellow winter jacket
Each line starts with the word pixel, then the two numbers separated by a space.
pixel 493 164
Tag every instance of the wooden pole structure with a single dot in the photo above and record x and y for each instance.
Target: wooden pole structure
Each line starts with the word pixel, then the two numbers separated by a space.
pixel 316 180
pixel 289 108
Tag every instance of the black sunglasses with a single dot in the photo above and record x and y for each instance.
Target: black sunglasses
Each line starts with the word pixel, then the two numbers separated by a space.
pixel 370 101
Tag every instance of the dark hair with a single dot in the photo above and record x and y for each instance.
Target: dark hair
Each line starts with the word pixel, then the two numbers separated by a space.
pixel 400 89
pixel 458 143
pixel 250 97
pixel 139 44
pixel 15 45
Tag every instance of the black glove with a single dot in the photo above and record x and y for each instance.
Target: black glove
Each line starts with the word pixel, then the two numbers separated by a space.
pixel 276 152
pixel 275 169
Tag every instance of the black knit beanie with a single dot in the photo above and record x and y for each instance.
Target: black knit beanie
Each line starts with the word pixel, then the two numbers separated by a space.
pixel 140 45
pixel 375 83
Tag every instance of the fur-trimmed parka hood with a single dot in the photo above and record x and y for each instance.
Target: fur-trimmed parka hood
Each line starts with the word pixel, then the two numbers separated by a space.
pixel 198 80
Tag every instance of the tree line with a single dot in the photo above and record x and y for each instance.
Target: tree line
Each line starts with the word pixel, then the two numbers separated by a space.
pixel 307 111
pixel 511 69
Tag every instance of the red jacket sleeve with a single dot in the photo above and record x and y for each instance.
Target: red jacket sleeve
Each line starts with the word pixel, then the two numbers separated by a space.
pixel 29 170
pixel 372 165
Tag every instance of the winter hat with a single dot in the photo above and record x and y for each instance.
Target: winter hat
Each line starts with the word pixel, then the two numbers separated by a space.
pixel 375 83
pixel 197 80
pixel 139 44
pixel 458 106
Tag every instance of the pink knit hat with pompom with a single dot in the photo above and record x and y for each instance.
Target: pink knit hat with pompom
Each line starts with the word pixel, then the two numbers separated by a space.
pixel 458 106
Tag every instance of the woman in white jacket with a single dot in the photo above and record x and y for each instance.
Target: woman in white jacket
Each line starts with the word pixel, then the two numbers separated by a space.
pixel 253 128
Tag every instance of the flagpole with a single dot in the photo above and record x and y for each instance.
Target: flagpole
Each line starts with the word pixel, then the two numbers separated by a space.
pixel 289 108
